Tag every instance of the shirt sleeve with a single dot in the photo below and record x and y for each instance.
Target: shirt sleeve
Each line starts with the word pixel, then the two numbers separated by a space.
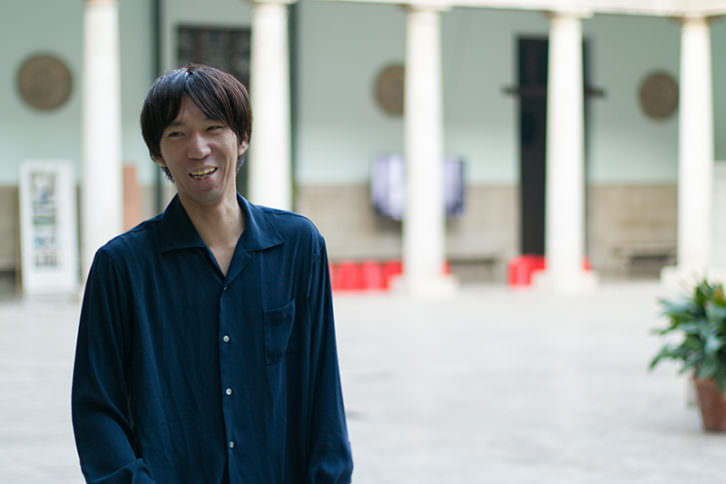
pixel 99 400
pixel 330 459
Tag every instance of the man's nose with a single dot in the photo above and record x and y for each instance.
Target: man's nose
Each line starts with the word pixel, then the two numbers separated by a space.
pixel 198 146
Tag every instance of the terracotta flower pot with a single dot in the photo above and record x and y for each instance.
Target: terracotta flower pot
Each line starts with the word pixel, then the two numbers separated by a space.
pixel 712 405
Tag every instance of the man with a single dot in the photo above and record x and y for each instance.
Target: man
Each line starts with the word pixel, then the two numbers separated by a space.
pixel 206 350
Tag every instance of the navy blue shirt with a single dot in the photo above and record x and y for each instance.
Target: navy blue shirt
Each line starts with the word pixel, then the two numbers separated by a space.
pixel 185 375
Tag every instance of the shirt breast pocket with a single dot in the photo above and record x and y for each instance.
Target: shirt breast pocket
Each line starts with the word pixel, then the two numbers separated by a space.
pixel 279 323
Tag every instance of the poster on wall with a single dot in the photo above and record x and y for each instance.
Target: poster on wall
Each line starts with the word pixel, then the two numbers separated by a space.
pixel 48 228
pixel 388 186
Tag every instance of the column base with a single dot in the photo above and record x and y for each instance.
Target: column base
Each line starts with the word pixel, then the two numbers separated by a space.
pixel 581 281
pixel 680 279
pixel 441 287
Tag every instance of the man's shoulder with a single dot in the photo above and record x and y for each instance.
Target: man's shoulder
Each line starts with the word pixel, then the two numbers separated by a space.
pixel 138 239
pixel 291 225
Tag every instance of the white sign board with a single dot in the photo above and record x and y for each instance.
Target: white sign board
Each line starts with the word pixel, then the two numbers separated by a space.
pixel 48 228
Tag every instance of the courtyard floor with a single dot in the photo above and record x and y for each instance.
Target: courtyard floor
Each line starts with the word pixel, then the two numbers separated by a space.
pixel 493 386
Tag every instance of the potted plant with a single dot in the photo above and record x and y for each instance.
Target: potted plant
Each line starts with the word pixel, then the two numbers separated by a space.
pixel 700 319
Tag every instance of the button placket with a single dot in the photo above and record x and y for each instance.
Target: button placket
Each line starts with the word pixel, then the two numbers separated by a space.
pixel 224 355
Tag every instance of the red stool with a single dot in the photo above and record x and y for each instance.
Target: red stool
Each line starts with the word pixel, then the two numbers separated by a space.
pixel 390 270
pixel 372 276
pixel 333 275
pixel 521 268
pixel 519 271
pixel 538 262
pixel 348 276
pixel 447 268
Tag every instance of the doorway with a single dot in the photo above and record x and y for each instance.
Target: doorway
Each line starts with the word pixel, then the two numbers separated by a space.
pixel 532 81
pixel 532 92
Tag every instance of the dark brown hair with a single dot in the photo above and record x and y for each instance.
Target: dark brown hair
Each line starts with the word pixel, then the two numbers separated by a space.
pixel 220 96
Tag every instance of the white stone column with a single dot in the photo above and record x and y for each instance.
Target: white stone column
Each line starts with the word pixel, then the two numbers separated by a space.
pixel 565 185
pixel 695 147
pixel 101 195
pixel 270 172
pixel 424 217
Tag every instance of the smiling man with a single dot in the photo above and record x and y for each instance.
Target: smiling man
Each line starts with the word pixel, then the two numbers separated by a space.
pixel 206 348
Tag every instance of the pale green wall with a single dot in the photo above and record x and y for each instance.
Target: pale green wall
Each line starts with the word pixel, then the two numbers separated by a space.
pixel 718 39
pixel 25 132
pixel 137 74
pixel 341 130
pixel 479 61
pixel 341 47
pixel 627 146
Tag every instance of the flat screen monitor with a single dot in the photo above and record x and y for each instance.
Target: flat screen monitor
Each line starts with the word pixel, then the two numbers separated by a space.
pixel 388 190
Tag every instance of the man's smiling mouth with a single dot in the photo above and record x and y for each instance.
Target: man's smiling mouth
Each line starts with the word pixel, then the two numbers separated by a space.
pixel 199 174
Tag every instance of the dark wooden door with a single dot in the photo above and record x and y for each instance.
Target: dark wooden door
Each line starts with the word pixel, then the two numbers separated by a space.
pixel 532 82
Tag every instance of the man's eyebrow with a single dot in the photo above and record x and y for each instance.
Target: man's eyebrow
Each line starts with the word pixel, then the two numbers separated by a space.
pixel 175 124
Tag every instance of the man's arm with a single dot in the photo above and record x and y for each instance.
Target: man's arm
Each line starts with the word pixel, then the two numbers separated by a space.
pixel 330 456
pixel 99 400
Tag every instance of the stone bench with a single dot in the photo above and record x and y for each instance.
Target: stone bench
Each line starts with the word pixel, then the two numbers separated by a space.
pixel 644 258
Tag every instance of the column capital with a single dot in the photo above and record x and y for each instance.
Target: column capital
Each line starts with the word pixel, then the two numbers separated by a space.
pixel 270 2
pixel 577 13
pixel 427 5
pixel 696 18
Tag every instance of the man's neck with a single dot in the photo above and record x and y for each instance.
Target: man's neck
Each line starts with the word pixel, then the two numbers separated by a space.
pixel 218 225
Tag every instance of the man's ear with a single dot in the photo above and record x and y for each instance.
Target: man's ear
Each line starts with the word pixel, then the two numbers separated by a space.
pixel 158 160
pixel 242 148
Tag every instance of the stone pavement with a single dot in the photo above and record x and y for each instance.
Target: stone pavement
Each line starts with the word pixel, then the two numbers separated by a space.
pixel 495 386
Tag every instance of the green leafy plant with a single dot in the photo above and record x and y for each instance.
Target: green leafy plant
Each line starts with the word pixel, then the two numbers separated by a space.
pixel 700 318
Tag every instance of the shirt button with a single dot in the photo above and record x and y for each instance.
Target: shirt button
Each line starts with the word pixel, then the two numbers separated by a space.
pixel 225 338
pixel 228 391
pixel 225 288
pixel 231 444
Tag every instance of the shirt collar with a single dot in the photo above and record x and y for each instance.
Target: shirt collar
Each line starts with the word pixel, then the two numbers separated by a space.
pixel 178 232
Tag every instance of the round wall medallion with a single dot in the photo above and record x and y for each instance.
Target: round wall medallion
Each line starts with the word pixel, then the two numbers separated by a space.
pixel 389 89
pixel 659 95
pixel 44 82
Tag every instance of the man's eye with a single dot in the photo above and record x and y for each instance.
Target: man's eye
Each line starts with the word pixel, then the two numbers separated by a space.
pixel 215 127
pixel 174 134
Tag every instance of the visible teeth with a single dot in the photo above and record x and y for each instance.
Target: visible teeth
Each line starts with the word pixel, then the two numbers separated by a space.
pixel 203 172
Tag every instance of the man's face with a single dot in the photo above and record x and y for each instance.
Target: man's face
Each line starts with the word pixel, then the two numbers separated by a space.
pixel 201 154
